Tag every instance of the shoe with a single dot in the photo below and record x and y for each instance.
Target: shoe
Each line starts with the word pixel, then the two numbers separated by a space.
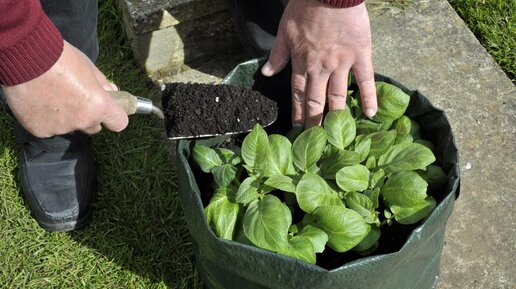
pixel 256 23
pixel 58 179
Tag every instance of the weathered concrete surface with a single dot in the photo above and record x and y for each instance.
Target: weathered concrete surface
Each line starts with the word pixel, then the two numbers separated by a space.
pixel 169 35
pixel 428 47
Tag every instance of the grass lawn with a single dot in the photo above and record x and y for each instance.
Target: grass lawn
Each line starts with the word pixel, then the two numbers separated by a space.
pixel 494 24
pixel 138 237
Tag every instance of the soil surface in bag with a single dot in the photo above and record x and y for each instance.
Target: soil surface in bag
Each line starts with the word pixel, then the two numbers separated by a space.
pixel 195 109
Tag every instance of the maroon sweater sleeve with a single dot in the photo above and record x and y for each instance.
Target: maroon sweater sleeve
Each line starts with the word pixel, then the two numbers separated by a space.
pixel 342 3
pixel 29 43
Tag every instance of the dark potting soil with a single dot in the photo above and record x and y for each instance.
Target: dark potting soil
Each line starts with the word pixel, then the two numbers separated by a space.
pixel 195 109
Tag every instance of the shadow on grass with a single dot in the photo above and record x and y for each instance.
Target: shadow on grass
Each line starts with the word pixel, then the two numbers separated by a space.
pixel 137 221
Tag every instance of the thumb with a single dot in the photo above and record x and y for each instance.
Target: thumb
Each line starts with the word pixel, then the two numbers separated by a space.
pixel 279 57
pixel 115 118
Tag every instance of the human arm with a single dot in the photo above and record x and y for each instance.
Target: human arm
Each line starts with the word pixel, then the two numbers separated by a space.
pixel 324 42
pixel 50 86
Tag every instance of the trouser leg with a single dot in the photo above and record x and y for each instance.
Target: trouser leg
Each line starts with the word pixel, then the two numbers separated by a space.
pixel 77 22
pixel 256 23
pixel 58 174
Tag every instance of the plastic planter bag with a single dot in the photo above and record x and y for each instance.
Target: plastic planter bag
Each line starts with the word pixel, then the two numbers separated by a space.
pixel 232 265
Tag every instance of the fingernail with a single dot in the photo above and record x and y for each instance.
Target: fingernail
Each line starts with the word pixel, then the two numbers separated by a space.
pixel 267 69
pixel 370 112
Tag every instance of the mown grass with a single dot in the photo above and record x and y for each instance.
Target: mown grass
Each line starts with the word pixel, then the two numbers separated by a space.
pixel 138 237
pixel 494 24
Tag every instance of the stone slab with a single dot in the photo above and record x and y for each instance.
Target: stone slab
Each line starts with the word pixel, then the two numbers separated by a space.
pixel 169 36
pixel 427 47
pixel 143 16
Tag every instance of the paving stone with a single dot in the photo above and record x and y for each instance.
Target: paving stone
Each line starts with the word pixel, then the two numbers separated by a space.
pixel 429 48
pixel 144 16
pixel 169 36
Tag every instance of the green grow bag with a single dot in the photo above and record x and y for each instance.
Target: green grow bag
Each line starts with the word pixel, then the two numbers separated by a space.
pixel 232 265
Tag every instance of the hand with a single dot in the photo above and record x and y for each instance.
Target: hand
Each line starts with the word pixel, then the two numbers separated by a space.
pixel 324 43
pixel 70 96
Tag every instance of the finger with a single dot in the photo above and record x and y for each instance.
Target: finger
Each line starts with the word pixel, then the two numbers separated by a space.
pixel 101 78
pixel 92 129
pixel 298 81
pixel 364 76
pixel 112 87
pixel 315 98
pixel 115 119
pixel 278 58
pixel 338 89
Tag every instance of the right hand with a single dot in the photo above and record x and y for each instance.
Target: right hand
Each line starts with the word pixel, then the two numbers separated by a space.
pixel 70 96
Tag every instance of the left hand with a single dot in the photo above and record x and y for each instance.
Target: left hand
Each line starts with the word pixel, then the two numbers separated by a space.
pixel 324 43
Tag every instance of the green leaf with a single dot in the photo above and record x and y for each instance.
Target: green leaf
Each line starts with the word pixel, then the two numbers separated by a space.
pixel 280 156
pixel 371 163
pixel 435 177
pixel 224 174
pixel 377 179
pixel 353 178
pixel 401 139
pixel 403 125
pixel 415 129
pixel 281 182
pixel 345 227
pixel 294 132
pixel 362 148
pixel 369 241
pixel 380 142
pixel 364 206
pixel 207 158
pixel 392 102
pixel 248 191
pixel 266 223
pixel 312 191
pixel 308 147
pixel 221 215
pixel 336 160
pixel 301 248
pixel 404 189
pixel 406 157
pixel 426 143
pixel 340 128
pixel 366 126
pixel 228 156
pixel 414 213
pixel 255 148
pixel 317 237
pixel 373 195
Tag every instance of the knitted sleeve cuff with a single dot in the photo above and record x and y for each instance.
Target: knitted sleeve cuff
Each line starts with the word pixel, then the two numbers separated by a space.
pixel 33 55
pixel 342 3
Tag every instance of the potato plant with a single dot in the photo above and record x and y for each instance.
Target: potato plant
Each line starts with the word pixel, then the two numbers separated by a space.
pixel 340 183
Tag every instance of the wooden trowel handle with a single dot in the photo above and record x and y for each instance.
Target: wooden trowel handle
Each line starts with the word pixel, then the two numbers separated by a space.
pixel 132 104
pixel 127 101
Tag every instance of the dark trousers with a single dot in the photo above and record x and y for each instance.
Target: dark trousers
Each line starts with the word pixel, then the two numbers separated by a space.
pixel 77 22
pixel 256 23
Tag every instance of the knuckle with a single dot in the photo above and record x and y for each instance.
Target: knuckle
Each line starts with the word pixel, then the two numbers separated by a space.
pixel 336 96
pixel 315 104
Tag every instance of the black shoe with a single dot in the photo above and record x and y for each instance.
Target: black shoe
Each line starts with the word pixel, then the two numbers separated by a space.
pixel 58 179
pixel 256 23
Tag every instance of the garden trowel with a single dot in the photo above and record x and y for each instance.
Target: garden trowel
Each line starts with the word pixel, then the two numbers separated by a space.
pixel 184 121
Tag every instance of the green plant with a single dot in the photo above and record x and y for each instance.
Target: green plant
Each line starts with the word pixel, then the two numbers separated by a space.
pixel 334 186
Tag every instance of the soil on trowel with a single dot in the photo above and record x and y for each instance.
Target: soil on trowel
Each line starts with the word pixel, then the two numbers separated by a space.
pixel 195 109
